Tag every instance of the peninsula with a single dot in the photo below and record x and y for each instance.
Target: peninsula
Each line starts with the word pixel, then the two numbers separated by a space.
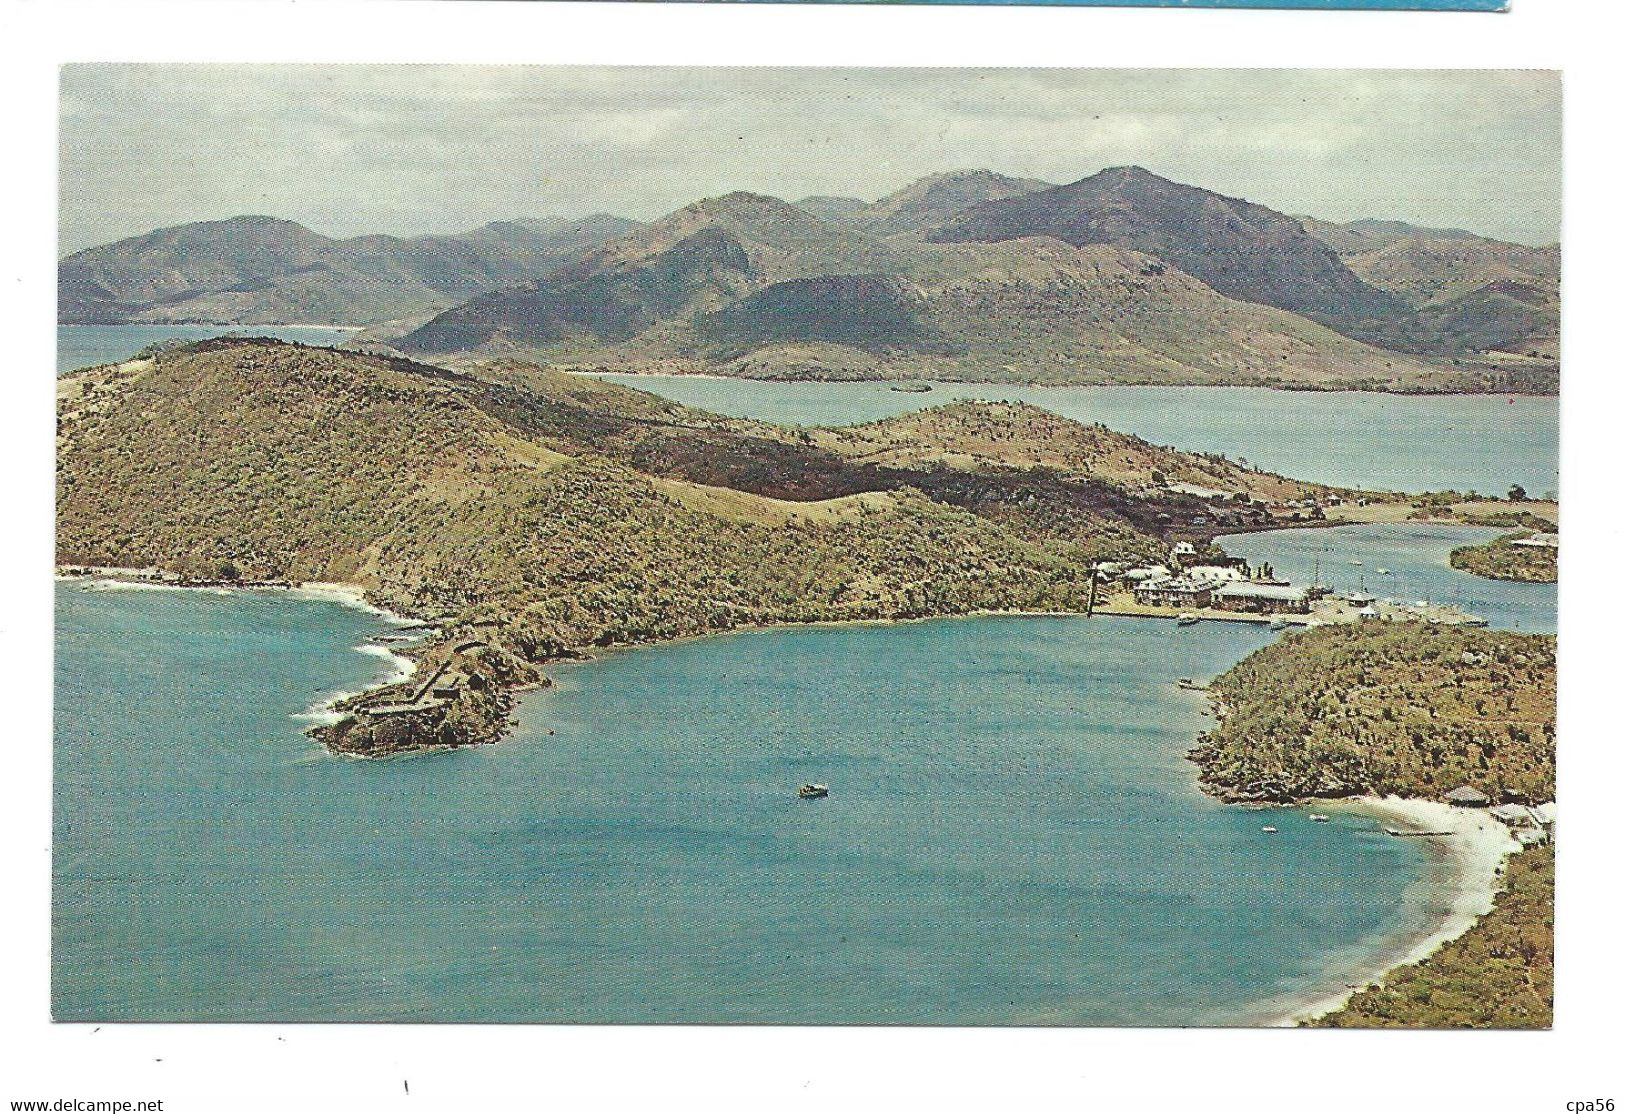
pixel 1527 555
pixel 1460 716
pixel 525 515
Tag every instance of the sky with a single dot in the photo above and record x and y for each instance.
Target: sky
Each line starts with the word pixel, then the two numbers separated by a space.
pixel 405 150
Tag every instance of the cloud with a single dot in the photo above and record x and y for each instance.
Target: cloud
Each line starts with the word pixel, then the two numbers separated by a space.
pixel 409 149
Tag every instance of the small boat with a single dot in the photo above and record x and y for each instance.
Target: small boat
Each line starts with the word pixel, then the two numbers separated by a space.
pixel 1191 685
pixel 1383 572
pixel 1186 618
pixel 812 791
pixel 1319 818
pixel 1271 828
pixel 1357 561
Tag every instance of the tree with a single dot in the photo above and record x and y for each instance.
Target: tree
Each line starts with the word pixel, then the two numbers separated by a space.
pixel 1517 494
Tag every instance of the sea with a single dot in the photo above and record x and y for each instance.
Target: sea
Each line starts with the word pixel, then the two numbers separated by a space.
pixel 80 346
pixel 1383 442
pixel 1012 836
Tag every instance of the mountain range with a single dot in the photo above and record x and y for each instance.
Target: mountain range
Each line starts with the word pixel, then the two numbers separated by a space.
pixel 1123 276
pixel 256 270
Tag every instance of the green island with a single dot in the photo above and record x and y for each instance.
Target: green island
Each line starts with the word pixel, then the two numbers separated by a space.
pixel 1517 556
pixel 1403 709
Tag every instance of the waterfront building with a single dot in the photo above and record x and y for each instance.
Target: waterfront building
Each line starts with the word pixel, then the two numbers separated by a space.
pixel 1174 591
pixel 1244 596
pixel 1218 574
pixel 1465 796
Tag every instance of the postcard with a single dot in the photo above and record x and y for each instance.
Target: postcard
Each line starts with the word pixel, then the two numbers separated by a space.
pixel 806 546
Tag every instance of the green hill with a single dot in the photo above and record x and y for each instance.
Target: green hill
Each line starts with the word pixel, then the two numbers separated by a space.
pixel 1501 560
pixel 1387 708
pixel 531 515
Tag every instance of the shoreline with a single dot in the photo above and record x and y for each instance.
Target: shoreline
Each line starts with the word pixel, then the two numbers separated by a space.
pixel 209 325
pixel 126 577
pixel 352 596
pixel 937 384
pixel 1464 879
pixel 1461 883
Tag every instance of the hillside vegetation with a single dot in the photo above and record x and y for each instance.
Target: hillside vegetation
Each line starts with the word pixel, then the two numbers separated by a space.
pixel 1468 293
pixel 255 270
pixel 1387 708
pixel 532 515
pixel 1497 975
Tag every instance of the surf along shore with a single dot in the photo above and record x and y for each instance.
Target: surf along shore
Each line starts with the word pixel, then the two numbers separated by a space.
pixel 1424 727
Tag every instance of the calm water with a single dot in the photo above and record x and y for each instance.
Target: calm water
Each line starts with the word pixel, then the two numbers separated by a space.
pixel 1484 443
pixel 80 346
pixel 1417 558
pixel 1012 834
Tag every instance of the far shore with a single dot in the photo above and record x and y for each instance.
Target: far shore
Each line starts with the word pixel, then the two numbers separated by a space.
pixel 649 373
pixel 212 325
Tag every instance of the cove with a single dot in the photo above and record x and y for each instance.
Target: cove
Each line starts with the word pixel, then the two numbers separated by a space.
pixel 1012 835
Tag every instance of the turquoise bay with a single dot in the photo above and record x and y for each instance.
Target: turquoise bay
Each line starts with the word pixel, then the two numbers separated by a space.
pixel 1013 834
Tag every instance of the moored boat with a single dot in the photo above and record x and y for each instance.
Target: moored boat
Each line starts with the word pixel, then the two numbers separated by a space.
pixel 1186 618
pixel 1271 828
pixel 812 790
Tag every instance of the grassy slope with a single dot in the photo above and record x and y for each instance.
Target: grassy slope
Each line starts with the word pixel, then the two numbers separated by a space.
pixel 1400 708
pixel 574 513
pixel 972 435
pixel 1498 975
pixel 1040 311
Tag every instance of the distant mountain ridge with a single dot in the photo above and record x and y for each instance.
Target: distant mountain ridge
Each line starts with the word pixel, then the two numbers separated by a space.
pixel 929 202
pixel 1241 249
pixel 254 270
pixel 1469 293
pixel 1122 276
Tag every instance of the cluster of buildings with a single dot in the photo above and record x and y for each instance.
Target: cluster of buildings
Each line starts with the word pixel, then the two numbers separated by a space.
pixel 1219 583
pixel 1530 824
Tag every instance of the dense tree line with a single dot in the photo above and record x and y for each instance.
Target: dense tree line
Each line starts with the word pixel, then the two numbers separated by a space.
pixel 1402 708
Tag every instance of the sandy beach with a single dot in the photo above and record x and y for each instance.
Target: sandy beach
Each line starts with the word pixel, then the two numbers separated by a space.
pixel 1469 864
